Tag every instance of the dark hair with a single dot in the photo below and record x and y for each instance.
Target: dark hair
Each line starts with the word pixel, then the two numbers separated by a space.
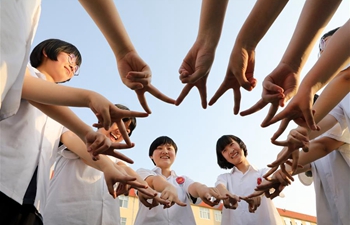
pixel 162 140
pixel 329 33
pixel 221 144
pixel 52 47
pixel 315 98
pixel 133 119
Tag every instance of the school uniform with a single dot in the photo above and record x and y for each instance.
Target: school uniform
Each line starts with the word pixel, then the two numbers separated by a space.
pixel 243 184
pixel 28 142
pixel 341 112
pixel 175 215
pixel 78 194
pixel 19 20
pixel 332 181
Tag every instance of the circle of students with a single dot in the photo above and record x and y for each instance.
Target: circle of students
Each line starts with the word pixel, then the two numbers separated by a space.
pixel 88 174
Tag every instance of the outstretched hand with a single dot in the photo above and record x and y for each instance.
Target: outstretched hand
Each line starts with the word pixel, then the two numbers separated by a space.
pixel 116 115
pixel 299 110
pixel 136 75
pixel 253 203
pixel 239 73
pixel 194 72
pixel 278 88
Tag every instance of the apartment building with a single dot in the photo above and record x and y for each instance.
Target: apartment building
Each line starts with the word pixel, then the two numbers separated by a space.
pixel 204 214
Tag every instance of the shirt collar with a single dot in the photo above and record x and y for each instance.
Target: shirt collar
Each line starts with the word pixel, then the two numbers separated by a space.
pixel 251 167
pixel 158 170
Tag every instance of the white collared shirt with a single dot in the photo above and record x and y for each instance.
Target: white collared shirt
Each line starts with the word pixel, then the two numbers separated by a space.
pixel 28 139
pixel 331 181
pixel 243 185
pixel 78 194
pixel 19 20
pixel 174 215
pixel 341 112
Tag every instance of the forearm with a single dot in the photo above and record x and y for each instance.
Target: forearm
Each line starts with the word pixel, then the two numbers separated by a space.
pixel 334 92
pixel 308 30
pixel 157 183
pixel 194 189
pixel 325 124
pixel 211 22
pixel 106 16
pixel 260 19
pixel 76 145
pixel 66 117
pixel 33 89
pixel 131 172
pixel 222 189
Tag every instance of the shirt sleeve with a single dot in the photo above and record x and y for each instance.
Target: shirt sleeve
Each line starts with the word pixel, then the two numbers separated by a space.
pixel 339 115
pixel 338 133
pixel 144 173
pixel 222 179
pixel 187 183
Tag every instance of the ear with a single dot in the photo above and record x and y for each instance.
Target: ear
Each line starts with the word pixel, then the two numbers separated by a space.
pixel 44 53
pixel 128 131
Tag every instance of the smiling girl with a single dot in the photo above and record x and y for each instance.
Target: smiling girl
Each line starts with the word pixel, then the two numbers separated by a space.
pixel 231 153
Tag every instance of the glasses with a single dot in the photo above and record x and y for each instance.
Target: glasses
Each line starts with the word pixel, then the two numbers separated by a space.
pixel 72 61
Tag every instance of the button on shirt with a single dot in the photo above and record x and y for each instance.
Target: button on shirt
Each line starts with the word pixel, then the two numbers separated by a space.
pixel 243 184
pixel 175 215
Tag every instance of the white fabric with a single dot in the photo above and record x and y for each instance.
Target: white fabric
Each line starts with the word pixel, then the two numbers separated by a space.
pixel 27 139
pixel 243 185
pixel 332 181
pixel 78 195
pixel 175 215
pixel 18 23
pixel 341 112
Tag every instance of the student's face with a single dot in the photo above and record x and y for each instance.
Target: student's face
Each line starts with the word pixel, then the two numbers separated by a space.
pixel 164 156
pixel 233 153
pixel 113 132
pixel 61 70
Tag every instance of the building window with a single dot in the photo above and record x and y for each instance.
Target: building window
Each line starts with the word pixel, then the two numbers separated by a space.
pixel 307 223
pixel 287 221
pixel 298 222
pixel 204 213
pixel 217 215
pixel 122 221
pixel 123 201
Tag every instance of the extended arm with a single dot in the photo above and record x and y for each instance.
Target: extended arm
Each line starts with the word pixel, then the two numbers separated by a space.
pixel 240 71
pixel 196 66
pixel 133 71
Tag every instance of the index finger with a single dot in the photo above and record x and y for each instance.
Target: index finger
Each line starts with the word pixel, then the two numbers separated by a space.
pixel 178 202
pixel 143 102
pixel 221 90
pixel 156 93
pixel 280 116
pixel 123 132
pixel 283 125
pixel 237 100
pixel 183 93
pixel 256 107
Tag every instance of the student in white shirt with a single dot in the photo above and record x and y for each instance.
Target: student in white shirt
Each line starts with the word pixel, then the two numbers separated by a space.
pixel 77 193
pixel 29 138
pixel 176 189
pixel 231 153
pixel 19 20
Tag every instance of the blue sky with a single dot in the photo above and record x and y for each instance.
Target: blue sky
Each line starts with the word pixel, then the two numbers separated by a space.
pixel 162 32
